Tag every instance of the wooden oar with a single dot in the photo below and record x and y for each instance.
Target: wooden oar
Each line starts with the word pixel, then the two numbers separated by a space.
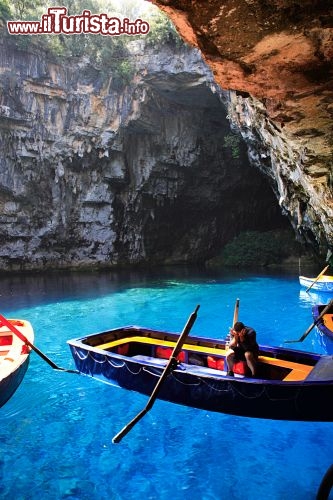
pixel 234 320
pixel 305 334
pixel 319 276
pixel 172 363
pixel 32 346
pixel 236 311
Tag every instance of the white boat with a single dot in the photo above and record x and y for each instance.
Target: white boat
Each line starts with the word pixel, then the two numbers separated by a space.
pixel 14 356
pixel 323 284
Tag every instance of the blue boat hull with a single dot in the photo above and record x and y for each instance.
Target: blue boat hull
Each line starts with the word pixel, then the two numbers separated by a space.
pixel 200 387
pixel 316 310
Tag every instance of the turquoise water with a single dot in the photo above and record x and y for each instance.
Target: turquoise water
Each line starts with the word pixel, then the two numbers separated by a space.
pixel 56 432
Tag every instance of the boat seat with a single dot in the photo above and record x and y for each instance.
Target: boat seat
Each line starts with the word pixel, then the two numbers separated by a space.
pixel 150 359
pixel 200 370
pixel 328 321
pixel 203 370
pixel 322 371
pixel 298 371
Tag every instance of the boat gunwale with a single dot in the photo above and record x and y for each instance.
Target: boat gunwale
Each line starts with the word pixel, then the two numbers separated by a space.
pixel 275 353
pixel 192 340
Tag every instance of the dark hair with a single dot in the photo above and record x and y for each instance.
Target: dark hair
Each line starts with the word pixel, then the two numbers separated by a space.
pixel 238 326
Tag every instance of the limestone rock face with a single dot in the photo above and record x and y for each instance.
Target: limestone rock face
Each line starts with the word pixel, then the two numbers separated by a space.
pixel 94 175
pixel 276 58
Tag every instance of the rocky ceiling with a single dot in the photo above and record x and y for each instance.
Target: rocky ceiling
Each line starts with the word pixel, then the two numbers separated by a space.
pixel 278 52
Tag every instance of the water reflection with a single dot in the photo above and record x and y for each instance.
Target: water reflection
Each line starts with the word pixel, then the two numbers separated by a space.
pixel 325 342
pixel 63 285
pixel 61 425
pixel 314 298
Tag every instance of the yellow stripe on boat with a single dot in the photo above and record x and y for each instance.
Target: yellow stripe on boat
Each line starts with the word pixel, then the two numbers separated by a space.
pixel 298 371
pixel 166 343
pixel 324 278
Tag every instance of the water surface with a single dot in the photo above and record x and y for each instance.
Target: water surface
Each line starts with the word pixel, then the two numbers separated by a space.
pixel 56 432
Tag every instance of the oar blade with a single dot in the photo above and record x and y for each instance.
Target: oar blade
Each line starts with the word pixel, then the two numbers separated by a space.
pixel 125 430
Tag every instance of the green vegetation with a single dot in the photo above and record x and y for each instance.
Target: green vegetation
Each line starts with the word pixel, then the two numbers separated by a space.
pixel 232 141
pixel 162 31
pixel 254 248
pixel 109 54
pixel 4 10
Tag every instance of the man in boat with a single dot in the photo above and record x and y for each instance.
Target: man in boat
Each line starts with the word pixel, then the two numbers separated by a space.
pixel 243 347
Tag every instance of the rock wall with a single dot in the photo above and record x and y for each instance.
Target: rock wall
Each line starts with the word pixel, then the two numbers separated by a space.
pixel 276 59
pixel 91 175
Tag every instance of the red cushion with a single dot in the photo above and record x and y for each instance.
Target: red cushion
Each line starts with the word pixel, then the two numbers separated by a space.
pixel 6 339
pixel 211 362
pixel 215 363
pixel 165 353
pixel 123 349
pixel 240 367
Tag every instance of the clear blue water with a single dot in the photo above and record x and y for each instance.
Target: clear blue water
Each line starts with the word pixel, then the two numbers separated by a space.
pixel 56 432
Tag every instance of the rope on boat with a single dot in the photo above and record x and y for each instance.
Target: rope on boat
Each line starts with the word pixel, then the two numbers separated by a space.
pixel 80 354
pixel 133 373
pixel 174 375
pixel 98 361
pixel 229 386
pixel 112 363
pixel 151 373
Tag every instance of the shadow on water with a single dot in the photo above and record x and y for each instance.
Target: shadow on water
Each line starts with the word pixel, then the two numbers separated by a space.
pixel 43 287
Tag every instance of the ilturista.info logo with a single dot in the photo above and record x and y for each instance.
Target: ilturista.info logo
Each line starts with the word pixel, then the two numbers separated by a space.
pixel 57 21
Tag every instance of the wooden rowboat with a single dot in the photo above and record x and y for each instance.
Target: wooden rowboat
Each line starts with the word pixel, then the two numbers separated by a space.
pixel 14 357
pixel 290 384
pixel 323 284
pixel 325 323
